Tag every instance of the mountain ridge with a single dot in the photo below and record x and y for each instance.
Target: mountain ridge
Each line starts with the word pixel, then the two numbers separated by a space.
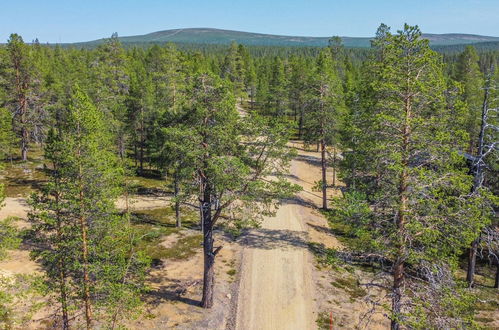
pixel 221 36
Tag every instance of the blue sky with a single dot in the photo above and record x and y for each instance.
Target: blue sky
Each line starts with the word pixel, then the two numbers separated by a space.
pixel 71 21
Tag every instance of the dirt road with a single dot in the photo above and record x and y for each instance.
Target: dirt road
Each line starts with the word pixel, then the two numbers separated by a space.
pixel 276 290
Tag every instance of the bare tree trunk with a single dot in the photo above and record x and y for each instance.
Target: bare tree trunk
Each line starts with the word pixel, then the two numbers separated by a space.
pixel 470 275
pixel 334 167
pixel 300 124
pixel 141 159
pixel 136 154
pixel 177 202
pixel 398 267
pixel 209 254
pixel 496 283
pixel 84 239
pixel 64 301
pixel 324 170
pixel 62 270
pixel 478 176
pixel 24 143
pixel 24 130
pixel 86 277
pixel 398 280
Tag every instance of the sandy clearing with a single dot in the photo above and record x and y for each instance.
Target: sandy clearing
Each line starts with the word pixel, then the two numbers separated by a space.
pixel 19 261
pixel 276 289
pixel 18 206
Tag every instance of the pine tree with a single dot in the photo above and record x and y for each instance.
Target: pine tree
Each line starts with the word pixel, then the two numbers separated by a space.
pixel 414 180
pixel 86 248
pixel 140 110
pixel 231 160
pixel 469 74
pixel 109 87
pixel 325 114
pixel 21 86
pixel 7 137
pixel 483 164
pixel 277 98
pixel 298 89
pixel 234 68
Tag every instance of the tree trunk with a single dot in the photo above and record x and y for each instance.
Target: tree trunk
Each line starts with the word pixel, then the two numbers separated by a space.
pixel 334 167
pixel 24 133
pixel 300 124
pixel 209 255
pixel 84 240
pixel 470 275
pixel 496 284
pixel 86 278
pixel 324 179
pixel 478 177
pixel 398 280
pixel 64 301
pixel 398 267
pixel 177 202
pixel 141 146
pixel 62 266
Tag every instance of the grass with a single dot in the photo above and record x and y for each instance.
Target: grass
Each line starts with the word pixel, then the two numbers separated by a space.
pixel 152 236
pixel 23 178
pixel 165 216
pixel 155 224
pixel 231 272
pixel 149 181
pixel 184 248
pixel 350 285
pixel 323 321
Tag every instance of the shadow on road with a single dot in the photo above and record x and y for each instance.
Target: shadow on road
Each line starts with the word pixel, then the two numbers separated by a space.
pixel 268 239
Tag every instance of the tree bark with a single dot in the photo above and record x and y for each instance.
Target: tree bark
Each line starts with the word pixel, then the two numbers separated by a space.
pixel 209 255
pixel 496 283
pixel 398 281
pixel 399 266
pixel 24 142
pixel 62 266
pixel 300 124
pixel 84 239
pixel 324 179
pixel 177 202
pixel 478 176
pixel 470 275
pixel 141 146
pixel 64 300
pixel 334 167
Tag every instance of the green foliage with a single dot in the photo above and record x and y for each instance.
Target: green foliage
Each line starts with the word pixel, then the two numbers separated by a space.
pixel 77 229
pixel 168 112
pixel 9 236
pixel 408 185
pixel 7 137
pixel 20 299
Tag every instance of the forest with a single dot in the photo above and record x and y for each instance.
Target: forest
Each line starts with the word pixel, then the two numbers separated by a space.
pixel 410 134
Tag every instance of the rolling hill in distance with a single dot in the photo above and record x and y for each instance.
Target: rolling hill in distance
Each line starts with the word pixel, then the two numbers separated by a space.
pixel 222 37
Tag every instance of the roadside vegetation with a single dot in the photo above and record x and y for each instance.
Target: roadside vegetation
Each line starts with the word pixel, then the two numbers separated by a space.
pixel 203 137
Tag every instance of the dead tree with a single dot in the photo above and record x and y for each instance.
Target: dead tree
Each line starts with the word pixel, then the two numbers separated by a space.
pixel 488 141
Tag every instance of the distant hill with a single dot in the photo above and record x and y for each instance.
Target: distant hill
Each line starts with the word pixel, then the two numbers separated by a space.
pixel 221 37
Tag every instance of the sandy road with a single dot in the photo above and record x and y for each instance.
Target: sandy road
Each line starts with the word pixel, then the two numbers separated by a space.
pixel 276 290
